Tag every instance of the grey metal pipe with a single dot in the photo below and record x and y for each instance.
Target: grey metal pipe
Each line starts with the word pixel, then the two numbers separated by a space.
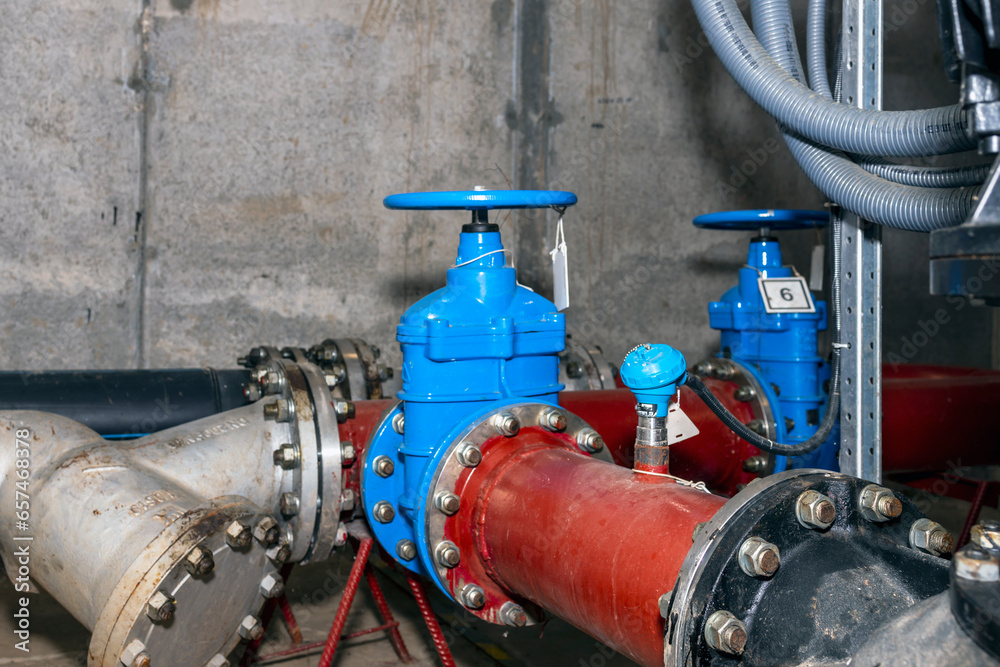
pixel 819 119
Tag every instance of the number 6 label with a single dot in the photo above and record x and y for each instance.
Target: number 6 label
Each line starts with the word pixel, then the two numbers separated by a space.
pixel 786 295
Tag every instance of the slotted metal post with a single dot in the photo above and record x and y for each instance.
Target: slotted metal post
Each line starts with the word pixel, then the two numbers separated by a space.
pixel 861 266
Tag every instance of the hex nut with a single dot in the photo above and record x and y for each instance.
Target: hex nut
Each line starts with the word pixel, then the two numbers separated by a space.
pixel 250 628
pixel 252 392
pixel 279 410
pixel 759 558
pixel 199 561
pixel 347 452
pixel 218 660
pixel 726 633
pixel 287 456
pixel 976 564
pixel 279 553
pixel 469 455
pixel 347 500
pixel 383 511
pixel 272 381
pixel 704 368
pixel 290 504
pixel 344 410
pixel 266 531
pixel 398 423
pixel 723 370
pixel 589 440
pixel 383 466
pixel 879 504
pixel 406 550
pixel 755 464
pixel 473 596
pixel 238 534
pixel 135 654
pixel 814 510
pixel 986 534
pixel 161 607
pixel 931 537
pixel 447 554
pixel 506 424
pixel 552 419
pixel 757 426
pixel 271 586
pixel 744 394
pixel 447 503
pixel 513 614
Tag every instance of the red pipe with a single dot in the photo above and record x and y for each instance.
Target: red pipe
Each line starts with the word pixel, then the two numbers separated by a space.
pixel 593 543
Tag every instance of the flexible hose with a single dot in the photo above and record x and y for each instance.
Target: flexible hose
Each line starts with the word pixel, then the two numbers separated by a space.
pixel 925 177
pixel 816 48
pixel 819 119
pixel 841 179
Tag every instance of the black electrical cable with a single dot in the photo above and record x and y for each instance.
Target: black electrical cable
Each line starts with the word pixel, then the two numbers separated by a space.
pixel 833 404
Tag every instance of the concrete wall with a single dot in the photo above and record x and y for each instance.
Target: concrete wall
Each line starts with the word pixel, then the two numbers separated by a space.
pixel 185 180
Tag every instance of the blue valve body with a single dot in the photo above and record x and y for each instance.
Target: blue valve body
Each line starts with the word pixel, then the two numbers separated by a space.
pixel 653 373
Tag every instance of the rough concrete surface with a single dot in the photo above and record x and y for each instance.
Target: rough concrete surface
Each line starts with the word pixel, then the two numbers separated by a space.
pixel 224 189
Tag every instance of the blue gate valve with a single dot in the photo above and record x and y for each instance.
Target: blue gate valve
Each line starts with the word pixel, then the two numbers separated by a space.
pixel 778 349
pixel 478 343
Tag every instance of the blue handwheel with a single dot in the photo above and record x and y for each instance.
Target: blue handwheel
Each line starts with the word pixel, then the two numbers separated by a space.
pixel 749 221
pixel 479 200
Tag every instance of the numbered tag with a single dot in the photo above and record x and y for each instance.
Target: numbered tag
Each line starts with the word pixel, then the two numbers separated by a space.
pixel 786 295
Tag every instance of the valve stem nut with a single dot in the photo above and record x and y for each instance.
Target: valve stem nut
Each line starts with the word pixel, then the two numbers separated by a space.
pixel 589 440
pixel 447 503
pixel 726 633
pixel 814 510
pixel 266 531
pixel 513 614
pixel 878 503
pixel 759 558
pixel 552 419
pixel 506 424
pixel 447 554
pixel 473 596
pixel 469 454
pixel 383 511
pixel 383 466
pixel 406 550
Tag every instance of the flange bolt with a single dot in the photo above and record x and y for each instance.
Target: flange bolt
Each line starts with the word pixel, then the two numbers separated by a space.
pixel 513 614
pixel 506 424
pixel 473 596
pixel 724 632
pixel 383 511
pixel 383 466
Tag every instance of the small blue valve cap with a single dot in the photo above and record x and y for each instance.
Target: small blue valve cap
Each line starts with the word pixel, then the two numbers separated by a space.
pixel 653 373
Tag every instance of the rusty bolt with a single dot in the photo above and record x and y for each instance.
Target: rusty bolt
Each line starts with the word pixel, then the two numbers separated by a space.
pixel 814 510
pixel 406 550
pixel 473 596
pixel 589 440
pixel 724 632
pixel 218 660
pixel 250 628
pixel 135 655
pixel 383 511
pixel 447 554
pixel 744 393
pixel 552 419
pixel 287 456
pixel 383 466
pixel 199 561
pixel 398 423
pixel 279 553
pixel 506 424
pixel 344 410
pixel 986 534
pixel 759 558
pixel 513 614
pixel 161 607
pixel 976 564
pixel 447 502
pixel 704 368
pixel 271 586
pixel 279 410
pixel 469 454
pixel 290 504
pixel 266 531
pixel 347 452
pixel 755 463
pixel 931 537
pixel 238 534
pixel 878 503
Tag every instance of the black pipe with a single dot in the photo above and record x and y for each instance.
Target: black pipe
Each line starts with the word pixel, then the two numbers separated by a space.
pixel 125 404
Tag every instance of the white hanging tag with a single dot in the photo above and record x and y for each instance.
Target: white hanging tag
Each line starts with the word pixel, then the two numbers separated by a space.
pixel 560 269
pixel 816 269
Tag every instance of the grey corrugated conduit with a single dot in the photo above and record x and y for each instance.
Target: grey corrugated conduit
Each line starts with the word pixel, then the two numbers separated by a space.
pixel 925 177
pixel 817 118
pixel 838 177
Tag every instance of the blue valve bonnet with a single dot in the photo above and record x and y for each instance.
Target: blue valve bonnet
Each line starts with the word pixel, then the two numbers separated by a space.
pixel 653 373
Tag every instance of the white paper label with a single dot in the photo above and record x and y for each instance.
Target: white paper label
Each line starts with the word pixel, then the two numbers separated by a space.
pixel 816 269
pixel 786 295
pixel 560 269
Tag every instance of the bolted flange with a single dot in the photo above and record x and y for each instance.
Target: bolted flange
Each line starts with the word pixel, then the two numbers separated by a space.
pixel 469 455
pixel 589 440
pixel 447 502
pixel 383 466
pixel 552 419
pixel 513 614
pixel 266 531
pixel 383 511
pixel 238 534
pixel 814 510
pixel 406 550
pixel 473 596
pixel 506 424
pixel 724 632
pixel 199 561
pixel 447 554
pixel 759 558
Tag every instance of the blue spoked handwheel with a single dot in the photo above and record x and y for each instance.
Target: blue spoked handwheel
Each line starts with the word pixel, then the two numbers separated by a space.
pixel 480 200
pixel 753 220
